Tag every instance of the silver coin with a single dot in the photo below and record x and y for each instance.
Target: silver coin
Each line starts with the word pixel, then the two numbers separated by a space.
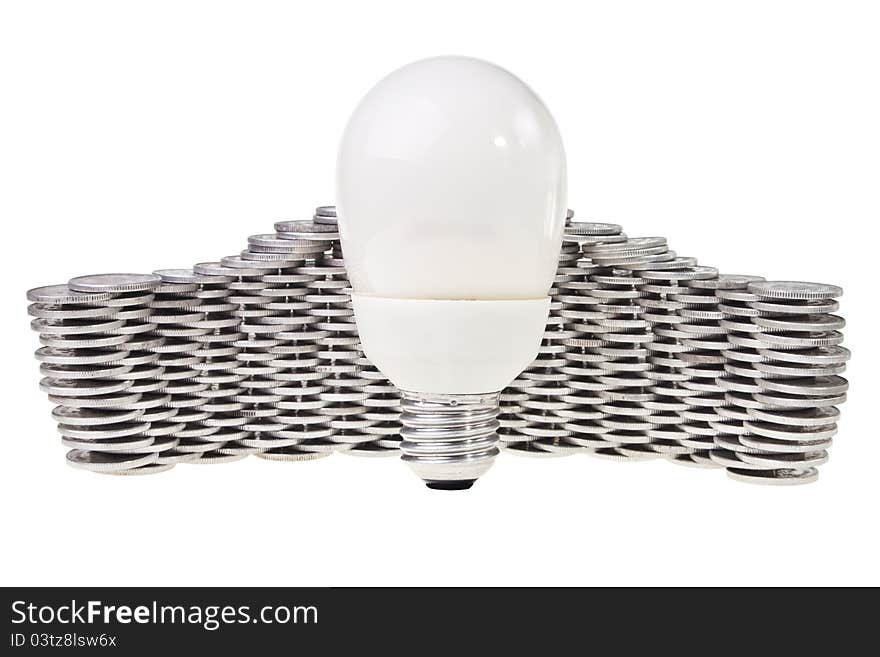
pixel 796 290
pixel 254 267
pixel 678 262
pixel 124 444
pixel 809 323
pixel 738 311
pixel 163 429
pixel 728 459
pixel 104 462
pixel 62 313
pixel 834 355
pixel 587 241
pixel 789 370
pixel 114 283
pixel 592 228
pixel 82 387
pixel 807 417
pixel 85 417
pixel 726 282
pixel 791 433
pixel 743 355
pixel 792 460
pixel 88 371
pixel 152 468
pixel 779 400
pixel 785 446
pixel 217 269
pixel 188 276
pixel 736 296
pixel 175 456
pixel 820 386
pixel 82 341
pixel 631 243
pixel 150 401
pixel 310 230
pixel 215 457
pixel 197 447
pixel 795 307
pixel 291 454
pixel 62 294
pixel 778 477
pixel 687 274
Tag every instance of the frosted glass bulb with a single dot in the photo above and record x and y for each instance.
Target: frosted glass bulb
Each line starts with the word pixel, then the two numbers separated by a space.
pixel 451 185
pixel 451 198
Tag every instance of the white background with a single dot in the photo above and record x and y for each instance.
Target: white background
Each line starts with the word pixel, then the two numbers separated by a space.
pixel 143 135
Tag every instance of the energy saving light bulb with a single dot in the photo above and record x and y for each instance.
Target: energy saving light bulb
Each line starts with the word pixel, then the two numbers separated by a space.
pixel 451 196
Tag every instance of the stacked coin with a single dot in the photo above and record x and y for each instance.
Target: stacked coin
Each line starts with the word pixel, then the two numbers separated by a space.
pixel 686 359
pixel 711 415
pixel 661 312
pixel 174 311
pixel 339 388
pixel 100 369
pixel 740 380
pixel 269 292
pixel 583 316
pixel 625 337
pixel 288 361
pixel 792 383
pixel 383 411
pixel 196 321
pixel 218 382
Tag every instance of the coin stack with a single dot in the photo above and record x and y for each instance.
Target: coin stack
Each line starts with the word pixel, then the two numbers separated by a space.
pixel 686 359
pixel 336 385
pixel 787 362
pixel 625 336
pixel 739 378
pixel 707 352
pixel 175 312
pixel 361 405
pixel 195 319
pixel 661 312
pixel 583 315
pixel 218 382
pixel 276 327
pixel 292 380
pixel 383 411
pixel 100 369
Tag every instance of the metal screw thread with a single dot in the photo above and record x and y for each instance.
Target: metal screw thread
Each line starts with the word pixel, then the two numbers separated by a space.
pixel 449 440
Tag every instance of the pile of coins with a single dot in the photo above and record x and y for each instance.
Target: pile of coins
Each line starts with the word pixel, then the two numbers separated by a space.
pixel 200 329
pixel 360 407
pixel 785 363
pixel 100 362
pixel 667 358
pixel 646 354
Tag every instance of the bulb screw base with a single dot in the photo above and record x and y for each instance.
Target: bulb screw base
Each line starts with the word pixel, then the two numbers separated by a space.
pixel 449 440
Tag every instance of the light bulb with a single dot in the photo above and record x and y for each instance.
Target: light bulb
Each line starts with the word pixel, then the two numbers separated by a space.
pixel 451 196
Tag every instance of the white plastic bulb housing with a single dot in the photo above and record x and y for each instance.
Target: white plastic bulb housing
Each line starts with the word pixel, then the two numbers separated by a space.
pixel 451 200
pixel 451 184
